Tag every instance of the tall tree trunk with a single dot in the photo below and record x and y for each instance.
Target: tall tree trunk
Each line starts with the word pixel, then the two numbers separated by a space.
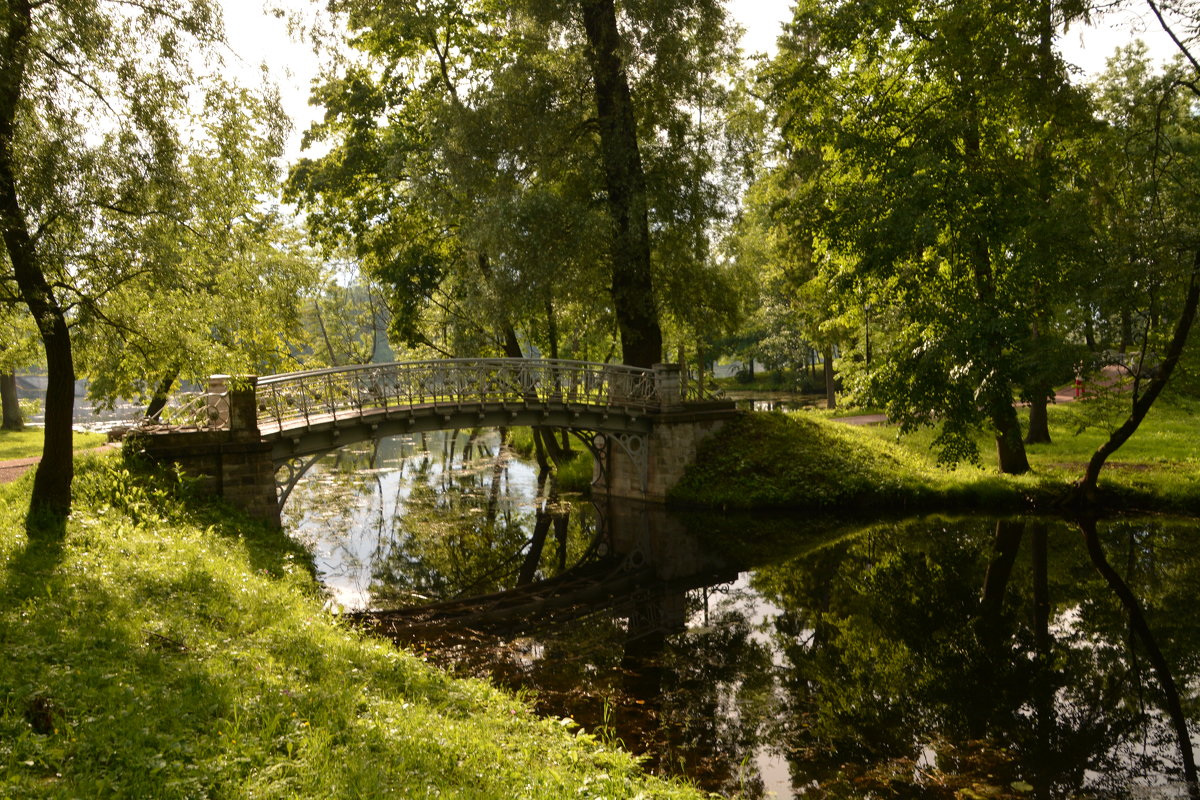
pixel 632 282
pixel 553 447
pixel 830 388
pixel 1162 670
pixel 1039 420
pixel 1086 489
pixel 1010 450
pixel 1038 388
pixel 998 400
pixel 8 399
pixel 52 481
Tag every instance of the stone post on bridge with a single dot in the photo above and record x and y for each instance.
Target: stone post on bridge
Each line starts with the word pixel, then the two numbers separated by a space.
pixel 668 385
pixel 229 456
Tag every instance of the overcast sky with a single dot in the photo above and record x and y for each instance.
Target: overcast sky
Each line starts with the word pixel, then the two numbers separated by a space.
pixel 257 39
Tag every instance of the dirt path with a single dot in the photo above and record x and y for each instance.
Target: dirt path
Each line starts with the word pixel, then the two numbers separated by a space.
pixel 11 470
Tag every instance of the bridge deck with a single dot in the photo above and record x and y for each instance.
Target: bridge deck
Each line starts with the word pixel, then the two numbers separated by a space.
pixel 272 429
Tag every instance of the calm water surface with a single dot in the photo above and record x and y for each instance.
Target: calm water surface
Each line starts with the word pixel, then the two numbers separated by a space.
pixel 784 657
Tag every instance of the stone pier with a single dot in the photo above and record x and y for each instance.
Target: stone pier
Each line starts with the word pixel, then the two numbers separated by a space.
pixel 232 461
pixel 647 466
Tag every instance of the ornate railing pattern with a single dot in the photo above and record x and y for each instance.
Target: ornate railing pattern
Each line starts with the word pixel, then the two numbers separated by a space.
pixel 286 400
pixel 190 411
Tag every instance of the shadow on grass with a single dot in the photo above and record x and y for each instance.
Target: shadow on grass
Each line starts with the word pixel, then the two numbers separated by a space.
pixel 32 566
pixel 270 550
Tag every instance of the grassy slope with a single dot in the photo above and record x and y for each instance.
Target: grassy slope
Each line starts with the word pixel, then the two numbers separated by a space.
pixel 28 443
pixel 168 649
pixel 804 461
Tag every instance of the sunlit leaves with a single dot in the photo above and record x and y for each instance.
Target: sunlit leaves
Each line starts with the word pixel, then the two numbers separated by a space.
pixel 464 169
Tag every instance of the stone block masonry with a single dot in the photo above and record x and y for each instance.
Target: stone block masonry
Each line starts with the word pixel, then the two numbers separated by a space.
pixel 647 467
pixel 234 462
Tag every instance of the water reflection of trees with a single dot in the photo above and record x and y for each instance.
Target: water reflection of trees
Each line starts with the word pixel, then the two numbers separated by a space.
pixel 974 656
pixel 460 536
pixel 433 516
pixel 918 659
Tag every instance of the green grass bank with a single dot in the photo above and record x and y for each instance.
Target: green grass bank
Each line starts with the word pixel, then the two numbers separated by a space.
pixel 28 443
pixel 804 460
pixel 162 646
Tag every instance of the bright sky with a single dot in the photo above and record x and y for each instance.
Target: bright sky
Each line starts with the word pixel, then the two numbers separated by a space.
pixel 257 38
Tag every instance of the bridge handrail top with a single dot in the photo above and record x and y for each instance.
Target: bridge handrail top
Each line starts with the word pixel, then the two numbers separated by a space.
pixel 268 380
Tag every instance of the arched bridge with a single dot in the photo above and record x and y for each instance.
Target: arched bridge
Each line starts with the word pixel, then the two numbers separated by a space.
pixel 253 437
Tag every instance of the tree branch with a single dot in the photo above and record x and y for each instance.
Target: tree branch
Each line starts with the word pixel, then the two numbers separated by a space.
pixel 1182 47
pixel 1085 489
pixel 83 81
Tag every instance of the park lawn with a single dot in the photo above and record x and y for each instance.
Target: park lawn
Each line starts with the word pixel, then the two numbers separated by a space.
pixel 28 443
pixel 807 461
pixel 164 646
pixel 1170 435
pixel 1158 469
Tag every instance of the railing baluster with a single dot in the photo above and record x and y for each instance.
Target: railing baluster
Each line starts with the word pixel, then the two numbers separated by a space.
pixel 334 392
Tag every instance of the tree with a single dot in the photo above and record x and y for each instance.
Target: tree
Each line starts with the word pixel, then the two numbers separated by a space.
pixel 911 126
pixel 18 348
pixel 347 318
pixel 233 293
pixel 101 106
pixel 799 286
pixel 1151 201
pixel 485 203
pixel 625 184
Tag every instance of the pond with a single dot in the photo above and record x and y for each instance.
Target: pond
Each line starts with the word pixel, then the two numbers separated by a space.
pixel 782 656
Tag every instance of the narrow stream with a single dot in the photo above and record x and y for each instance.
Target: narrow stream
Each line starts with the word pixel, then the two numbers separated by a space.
pixel 780 656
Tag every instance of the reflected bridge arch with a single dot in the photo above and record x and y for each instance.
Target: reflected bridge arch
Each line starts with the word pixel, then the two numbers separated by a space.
pixel 627 436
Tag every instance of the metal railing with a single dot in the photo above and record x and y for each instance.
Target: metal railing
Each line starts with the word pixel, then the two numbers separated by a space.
pixel 317 395
pixel 192 411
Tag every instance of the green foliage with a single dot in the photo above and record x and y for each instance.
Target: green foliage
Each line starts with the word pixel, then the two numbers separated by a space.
pixel 168 648
pixel 29 407
pixel 234 298
pixel 476 203
pixel 773 461
pixel 18 339
pixel 576 475
pixel 928 184
pixel 347 324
